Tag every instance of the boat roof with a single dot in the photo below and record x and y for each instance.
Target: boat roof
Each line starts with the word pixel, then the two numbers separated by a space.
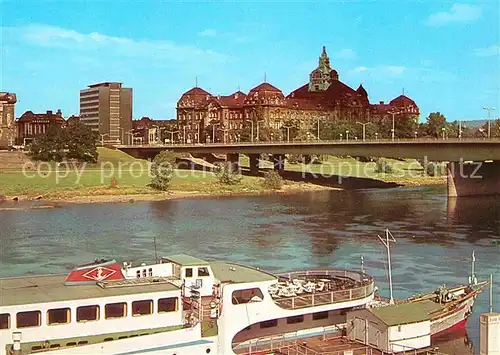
pixel 50 288
pixel 185 260
pixel 406 313
pixel 234 273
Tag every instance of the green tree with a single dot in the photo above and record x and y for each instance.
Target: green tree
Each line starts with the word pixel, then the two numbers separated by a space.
pixel 226 174
pixel 272 180
pixel 162 170
pixel 493 126
pixel 81 143
pixel 50 146
pixel 435 123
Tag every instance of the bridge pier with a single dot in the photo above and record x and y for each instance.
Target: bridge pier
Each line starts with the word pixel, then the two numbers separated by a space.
pixel 279 162
pixel 234 160
pixel 473 179
pixel 254 163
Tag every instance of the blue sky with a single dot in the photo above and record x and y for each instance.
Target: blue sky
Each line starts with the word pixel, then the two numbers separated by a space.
pixel 445 55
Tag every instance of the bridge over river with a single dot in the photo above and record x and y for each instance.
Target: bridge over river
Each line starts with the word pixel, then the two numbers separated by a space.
pixel 473 164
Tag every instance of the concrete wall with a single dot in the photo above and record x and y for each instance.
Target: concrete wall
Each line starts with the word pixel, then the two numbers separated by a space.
pixel 490 334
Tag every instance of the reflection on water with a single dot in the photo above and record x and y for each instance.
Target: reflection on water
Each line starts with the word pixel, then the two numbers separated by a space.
pixel 317 229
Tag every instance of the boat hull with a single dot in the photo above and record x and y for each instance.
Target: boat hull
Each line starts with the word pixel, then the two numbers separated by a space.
pixel 453 320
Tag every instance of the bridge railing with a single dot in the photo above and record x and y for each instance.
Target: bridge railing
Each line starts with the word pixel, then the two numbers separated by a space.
pixel 321 142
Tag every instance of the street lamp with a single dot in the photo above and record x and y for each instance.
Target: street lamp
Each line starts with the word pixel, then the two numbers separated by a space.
pixel 416 134
pixel 393 131
pixel 224 130
pixel 102 138
pixel 317 136
pixel 287 132
pixel 376 136
pixel 443 130
pixel 258 128
pixel 251 131
pixel 340 136
pixel 213 131
pixel 347 136
pixel 172 135
pixel 489 109
pixel 364 128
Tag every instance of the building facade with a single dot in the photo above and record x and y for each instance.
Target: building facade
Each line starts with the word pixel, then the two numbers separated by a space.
pixel 326 99
pixel 32 124
pixel 107 109
pixel 7 122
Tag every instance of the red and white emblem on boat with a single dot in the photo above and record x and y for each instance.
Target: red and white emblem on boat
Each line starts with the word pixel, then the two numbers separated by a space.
pixel 99 273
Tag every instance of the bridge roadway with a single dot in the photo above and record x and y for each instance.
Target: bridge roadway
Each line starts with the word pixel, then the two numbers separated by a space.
pixel 450 150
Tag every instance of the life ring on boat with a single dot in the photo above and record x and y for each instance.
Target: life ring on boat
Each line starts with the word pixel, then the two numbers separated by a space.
pixel 377 298
pixel 213 304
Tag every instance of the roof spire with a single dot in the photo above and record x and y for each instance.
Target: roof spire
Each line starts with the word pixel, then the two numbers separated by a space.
pixel 265 77
pixel 324 51
pixel 196 84
pixel 403 91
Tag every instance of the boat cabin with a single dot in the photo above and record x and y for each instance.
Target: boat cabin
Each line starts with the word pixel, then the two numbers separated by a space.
pixel 397 328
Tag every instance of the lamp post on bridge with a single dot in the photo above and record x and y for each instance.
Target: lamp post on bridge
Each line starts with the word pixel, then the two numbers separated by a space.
pixel 251 130
pixel 364 129
pixel 287 132
pixel 259 121
pixel 172 135
pixel 347 136
pixel 489 109
pixel 102 138
pixel 393 130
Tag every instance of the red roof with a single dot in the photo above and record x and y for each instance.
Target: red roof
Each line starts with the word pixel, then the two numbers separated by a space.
pixel 196 91
pixel 265 87
pixel 235 100
pixel 402 101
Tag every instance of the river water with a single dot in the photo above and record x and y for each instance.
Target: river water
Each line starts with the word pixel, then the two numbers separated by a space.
pixel 434 237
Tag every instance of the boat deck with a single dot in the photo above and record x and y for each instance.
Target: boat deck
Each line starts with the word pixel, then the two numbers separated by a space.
pixel 321 345
pixel 320 287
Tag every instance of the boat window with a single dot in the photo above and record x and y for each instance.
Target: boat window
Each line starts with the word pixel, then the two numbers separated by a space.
pixel 167 304
pixel 4 321
pixel 247 296
pixel 203 271
pixel 58 316
pixel 189 272
pixel 150 272
pixel 138 273
pixel 28 319
pixel 320 315
pixel 269 323
pixel 87 313
pixel 144 273
pixel 141 308
pixel 115 310
pixel 295 319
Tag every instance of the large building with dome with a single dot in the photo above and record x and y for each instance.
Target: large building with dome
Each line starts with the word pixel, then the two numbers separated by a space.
pixel 203 116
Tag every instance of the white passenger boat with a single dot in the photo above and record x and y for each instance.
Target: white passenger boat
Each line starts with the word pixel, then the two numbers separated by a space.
pixel 177 305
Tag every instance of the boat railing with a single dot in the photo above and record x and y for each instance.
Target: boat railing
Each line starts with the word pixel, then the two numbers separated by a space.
pixel 343 273
pixel 325 297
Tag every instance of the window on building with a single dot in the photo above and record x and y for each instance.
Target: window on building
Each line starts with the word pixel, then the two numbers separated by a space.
pixel 58 316
pixel 29 319
pixel 295 319
pixel 141 308
pixel 269 323
pixel 247 296
pixel 203 271
pixel 87 313
pixel 167 305
pixel 189 272
pixel 4 321
pixel 320 315
pixel 115 310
